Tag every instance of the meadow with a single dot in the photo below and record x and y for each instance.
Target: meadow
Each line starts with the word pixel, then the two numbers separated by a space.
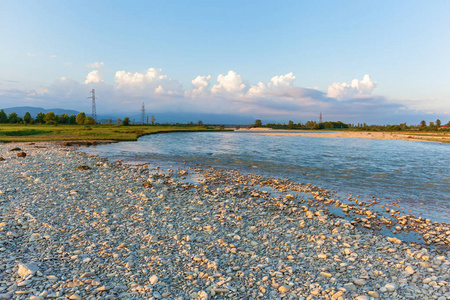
pixel 104 132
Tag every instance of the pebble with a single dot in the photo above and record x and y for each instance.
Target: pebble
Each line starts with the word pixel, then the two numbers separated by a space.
pixel 390 287
pixel 359 282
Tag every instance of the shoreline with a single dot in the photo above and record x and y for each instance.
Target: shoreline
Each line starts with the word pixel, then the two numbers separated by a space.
pixel 116 232
pixel 407 136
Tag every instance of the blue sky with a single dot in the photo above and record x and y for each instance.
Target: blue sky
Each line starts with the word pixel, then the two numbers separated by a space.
pixel 382 62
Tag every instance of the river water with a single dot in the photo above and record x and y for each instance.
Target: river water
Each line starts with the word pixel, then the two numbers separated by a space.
pixel 414 174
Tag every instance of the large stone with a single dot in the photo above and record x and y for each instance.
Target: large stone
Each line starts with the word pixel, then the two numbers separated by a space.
pixel 27 270
pixel 349 287
pixel 359 282
pixel 153 279
pixel 21 154
pixel 390 287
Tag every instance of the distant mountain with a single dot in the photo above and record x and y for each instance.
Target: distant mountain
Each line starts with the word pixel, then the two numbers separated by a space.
pixel 21 110
pixel 165 117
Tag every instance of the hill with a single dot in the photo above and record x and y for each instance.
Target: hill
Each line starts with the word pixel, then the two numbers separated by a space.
pixel 21 110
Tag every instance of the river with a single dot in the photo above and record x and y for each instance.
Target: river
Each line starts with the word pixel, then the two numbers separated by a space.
pixel 414 174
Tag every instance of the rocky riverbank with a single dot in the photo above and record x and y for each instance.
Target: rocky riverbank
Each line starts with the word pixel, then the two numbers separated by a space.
pixel 78 227
pixel 441 137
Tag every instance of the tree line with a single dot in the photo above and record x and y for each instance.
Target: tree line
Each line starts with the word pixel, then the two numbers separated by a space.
pixel 51 118
pixel 307 125
pixel 48 118
pixel 423 126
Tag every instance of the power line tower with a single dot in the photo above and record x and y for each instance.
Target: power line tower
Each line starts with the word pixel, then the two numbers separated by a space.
pixel 142 113
pixel 320 117
pixel 94 111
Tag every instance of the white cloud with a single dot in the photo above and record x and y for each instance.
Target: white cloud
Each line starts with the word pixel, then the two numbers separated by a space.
pixel 230 84
pixel 53 56
pixel 95 65
pixel 200 86
pixel 276 83
pixel 29 54
pixel 258 90
pixel 153 81
pixel 283 80
pixel 346 91
pixel 93 76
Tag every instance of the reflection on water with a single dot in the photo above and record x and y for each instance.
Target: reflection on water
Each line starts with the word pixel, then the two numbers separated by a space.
pixel 409 172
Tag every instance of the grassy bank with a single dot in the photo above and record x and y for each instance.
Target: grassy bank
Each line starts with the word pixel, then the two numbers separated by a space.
pixel 33 133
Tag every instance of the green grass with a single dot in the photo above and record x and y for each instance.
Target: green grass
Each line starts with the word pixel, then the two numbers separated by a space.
pixel 33 133
pixel 24 132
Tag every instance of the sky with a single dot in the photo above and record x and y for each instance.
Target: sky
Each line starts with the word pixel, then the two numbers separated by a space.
pixel 380 62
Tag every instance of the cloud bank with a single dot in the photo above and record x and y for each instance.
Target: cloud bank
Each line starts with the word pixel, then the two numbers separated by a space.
pixel 276 100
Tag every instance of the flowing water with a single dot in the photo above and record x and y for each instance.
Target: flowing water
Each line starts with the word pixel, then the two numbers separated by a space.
pixel 414 174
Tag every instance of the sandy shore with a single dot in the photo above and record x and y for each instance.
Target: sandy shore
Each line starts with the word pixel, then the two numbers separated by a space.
pixel 78 227
pixel 423 137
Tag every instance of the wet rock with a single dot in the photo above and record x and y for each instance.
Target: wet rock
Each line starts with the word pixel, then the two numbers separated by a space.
pixel 21 154
pixel 83 168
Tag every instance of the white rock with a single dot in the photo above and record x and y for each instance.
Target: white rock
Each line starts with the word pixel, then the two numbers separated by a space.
pixel 390 287
pixel 153 279
pixel 26 270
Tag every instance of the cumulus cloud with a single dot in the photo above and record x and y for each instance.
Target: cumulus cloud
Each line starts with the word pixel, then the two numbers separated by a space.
pixel 93 76
pixel 283 80
pixel 346 91
pixel 200 86
pixel 258 90
pixel 95 65
pixel 230 84
pixel 276 83
pixel 153 81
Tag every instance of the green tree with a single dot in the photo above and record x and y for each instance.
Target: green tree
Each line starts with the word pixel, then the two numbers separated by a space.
pixel 126 121
pixel 64 119
pixel 89 120
pixel 13 118
pixel 438 123
pixel 72 119
pixel 3 117
pixel 258 123
pixel 291 124
pixel 119 121
pixel 40 118
pixel 423 123
pixel 27 118
pixel 50 118
pixel 199 123
pixel 81 117
pixel 152 120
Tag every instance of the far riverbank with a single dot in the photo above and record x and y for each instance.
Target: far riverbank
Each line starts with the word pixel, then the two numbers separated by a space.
pixel 438 137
